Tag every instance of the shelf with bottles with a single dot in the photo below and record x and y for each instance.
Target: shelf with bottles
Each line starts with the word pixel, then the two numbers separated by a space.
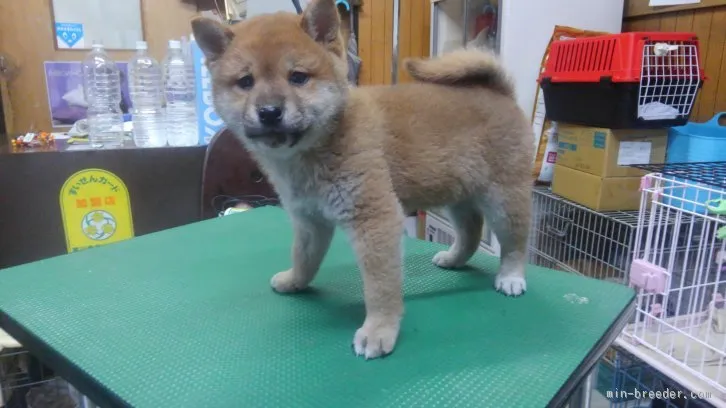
pixel 457 23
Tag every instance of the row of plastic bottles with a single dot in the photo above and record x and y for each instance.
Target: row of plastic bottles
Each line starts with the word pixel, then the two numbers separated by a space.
pixel 163 98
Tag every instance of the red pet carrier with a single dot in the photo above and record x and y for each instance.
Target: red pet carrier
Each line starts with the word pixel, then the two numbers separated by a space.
pixel 629 80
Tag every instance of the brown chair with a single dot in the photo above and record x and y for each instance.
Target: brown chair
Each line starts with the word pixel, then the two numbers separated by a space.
pixel 230 175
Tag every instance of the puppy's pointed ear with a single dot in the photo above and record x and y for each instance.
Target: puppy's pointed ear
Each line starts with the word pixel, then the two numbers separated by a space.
pixel 322 22
pixel 212 37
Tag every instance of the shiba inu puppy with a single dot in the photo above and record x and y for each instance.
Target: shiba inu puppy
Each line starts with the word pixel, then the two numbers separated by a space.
pixel 360 158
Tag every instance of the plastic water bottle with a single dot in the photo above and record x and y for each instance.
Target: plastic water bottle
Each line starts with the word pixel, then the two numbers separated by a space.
pixel 181 111
pixel 146 90
pixel 102 88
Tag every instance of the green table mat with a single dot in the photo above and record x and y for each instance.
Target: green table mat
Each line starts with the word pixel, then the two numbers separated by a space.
pixel 186 318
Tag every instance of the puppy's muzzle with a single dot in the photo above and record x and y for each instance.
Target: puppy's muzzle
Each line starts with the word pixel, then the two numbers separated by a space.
pixel 270 115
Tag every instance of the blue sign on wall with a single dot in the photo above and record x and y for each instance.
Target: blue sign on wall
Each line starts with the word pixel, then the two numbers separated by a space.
pixel 208 120
pixel 69 35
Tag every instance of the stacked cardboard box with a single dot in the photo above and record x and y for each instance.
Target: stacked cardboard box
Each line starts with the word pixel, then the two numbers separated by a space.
pixel 592 165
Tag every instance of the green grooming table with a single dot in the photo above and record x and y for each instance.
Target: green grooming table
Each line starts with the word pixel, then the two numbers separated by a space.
pixel 186 318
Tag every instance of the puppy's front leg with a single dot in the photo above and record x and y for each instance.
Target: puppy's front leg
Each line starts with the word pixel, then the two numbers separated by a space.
pixel 376 240
pixel 311 241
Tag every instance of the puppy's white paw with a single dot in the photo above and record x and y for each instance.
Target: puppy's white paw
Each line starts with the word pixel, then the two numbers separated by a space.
pixel 446 260
pixel 376 338
pixel 284 282
pixel 511 285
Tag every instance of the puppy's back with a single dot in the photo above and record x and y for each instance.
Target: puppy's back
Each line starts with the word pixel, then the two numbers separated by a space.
pixel 462 103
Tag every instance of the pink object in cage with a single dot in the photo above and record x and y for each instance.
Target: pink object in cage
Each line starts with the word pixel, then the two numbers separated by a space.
pixel 645 182
pixel 649 277
pixel 656 194
pixel 656 309
pixel 718 300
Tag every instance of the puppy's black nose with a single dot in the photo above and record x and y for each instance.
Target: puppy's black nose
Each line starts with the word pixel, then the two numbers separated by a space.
pixel 270 115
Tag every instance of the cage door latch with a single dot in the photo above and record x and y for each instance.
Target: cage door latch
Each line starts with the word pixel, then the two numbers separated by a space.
pixel 647 276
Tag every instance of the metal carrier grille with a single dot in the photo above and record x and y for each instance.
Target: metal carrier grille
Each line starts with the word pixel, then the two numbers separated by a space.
pixel 670 78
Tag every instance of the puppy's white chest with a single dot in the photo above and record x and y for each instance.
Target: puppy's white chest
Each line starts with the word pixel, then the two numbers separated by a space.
pixel 325 202
pixel 324 199
pixel 313 190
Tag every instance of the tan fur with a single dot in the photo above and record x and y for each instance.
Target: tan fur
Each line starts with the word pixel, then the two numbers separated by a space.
pixel 359 158
pixel 463 67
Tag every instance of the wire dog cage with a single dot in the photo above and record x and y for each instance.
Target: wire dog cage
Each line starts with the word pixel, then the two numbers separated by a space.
pixel 572 238
pixel 680 318
pixel 635 384
pixel 568 236
pixel 439 230
pixel 19 374
pixel 26 383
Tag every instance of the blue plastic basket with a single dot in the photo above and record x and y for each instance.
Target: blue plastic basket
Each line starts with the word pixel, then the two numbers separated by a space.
pixel 696 143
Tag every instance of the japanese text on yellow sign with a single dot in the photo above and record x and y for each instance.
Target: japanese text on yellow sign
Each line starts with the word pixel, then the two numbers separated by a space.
pixel 96 209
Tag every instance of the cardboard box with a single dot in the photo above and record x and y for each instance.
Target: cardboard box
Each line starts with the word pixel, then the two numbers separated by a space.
pixel 606 152
pixel 595 192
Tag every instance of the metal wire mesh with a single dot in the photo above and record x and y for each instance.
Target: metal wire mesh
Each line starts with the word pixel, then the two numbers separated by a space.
pixel 635 384
pixel 680 311
pixel 670 78
pixel 27 383
pixel 570 237
pixel 709 173
pixel 19 372
pixel 439 230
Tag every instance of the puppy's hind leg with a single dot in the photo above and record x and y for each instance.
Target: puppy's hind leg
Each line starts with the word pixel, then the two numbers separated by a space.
pixel 467 220
pixel 508 210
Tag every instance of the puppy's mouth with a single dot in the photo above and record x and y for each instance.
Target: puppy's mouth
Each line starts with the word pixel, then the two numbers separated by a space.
pixel 276 138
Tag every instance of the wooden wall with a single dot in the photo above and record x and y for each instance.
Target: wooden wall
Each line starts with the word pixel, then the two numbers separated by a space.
pixel 708 20
pixel 26 34
pixel 414 37
pixel 375 42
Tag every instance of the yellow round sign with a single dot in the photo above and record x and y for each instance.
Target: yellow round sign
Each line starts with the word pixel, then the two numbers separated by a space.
pixel 96 209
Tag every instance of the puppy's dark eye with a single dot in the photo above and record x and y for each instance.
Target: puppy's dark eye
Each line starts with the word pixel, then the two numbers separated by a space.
pixel 246 82
pixel 299 78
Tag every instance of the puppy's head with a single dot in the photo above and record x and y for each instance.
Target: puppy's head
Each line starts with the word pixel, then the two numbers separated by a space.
pixel 279 80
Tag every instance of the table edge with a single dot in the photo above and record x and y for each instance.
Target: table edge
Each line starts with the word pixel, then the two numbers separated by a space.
pixel 98 393
pixel 105 397
pixel 596 353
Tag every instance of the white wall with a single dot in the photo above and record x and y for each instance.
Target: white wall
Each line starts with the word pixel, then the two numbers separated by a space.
pixel 257 7
pixel 450 26
pixel 115 24
pixel 527 27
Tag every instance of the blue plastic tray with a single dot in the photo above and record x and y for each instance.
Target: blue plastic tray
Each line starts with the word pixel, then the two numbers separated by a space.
pixel 696 143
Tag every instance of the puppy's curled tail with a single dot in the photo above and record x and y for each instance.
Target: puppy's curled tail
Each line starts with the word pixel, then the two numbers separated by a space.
pixel 466 67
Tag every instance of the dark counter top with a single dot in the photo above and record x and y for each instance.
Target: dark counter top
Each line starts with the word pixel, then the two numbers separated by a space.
pixel 164 186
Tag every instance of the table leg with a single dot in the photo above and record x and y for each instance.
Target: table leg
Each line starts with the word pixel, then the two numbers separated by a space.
pixel 583 394
pixel 86 403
